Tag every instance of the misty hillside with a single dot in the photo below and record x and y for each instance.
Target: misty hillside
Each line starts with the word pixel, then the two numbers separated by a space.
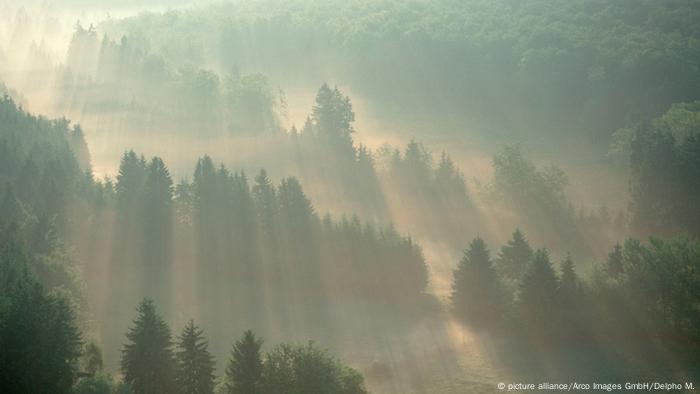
pixel 349 196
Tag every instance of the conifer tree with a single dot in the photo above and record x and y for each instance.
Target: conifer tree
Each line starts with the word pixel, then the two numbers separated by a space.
pixel 514 257
pixel 244 370
pixel 478 296
pixel 147 361
pixel 538 289
pixel 569 290
pixel 332 116
pixel 195 365
pixel 449 179
pixel 293 204
pixel 265 201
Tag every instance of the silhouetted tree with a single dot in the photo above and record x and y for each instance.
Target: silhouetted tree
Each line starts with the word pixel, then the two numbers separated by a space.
pixel 569 291
pixel 195 365
pixel 478 296
pixel 157 228
pixel 265 201
pixel 514 256
pixel 332 116
pixel 244 370
pixel 450 181
pixel 148 364
pixel 538 292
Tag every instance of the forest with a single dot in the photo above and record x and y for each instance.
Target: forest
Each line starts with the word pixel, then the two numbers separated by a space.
pixel 304 196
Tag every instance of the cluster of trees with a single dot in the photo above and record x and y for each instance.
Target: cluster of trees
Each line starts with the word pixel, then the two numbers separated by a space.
pixel 431 196
pixel 41 184
pixel 537 197
pixel 241 238
pixel 641 293
pixel 664 158
pixel 39 334
pixel 104 76
pixel 241 241
pixel 152 363
pixel 586 65
pixel 219 239
pixel 43 350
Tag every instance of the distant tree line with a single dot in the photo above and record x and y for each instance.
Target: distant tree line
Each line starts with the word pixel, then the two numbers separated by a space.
pixel 128 76
pixel 575 65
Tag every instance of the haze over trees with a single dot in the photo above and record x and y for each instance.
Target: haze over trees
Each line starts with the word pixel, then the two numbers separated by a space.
pixel 234 197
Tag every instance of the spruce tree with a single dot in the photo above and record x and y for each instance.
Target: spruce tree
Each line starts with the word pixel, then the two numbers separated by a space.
pixel 569 290
pixel 195 365
pixel 244 370
pixel 265 201
pixel 147 361
pixel 514 256
pixel 478 296
pixel 450 180
pixel 332 118
pixel 538 290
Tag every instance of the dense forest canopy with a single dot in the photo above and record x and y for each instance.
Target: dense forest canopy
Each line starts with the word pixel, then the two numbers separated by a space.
pixel 589 65
pixel 348 197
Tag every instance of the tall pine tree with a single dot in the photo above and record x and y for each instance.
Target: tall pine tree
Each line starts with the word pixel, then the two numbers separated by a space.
pixel 478 296
pixel 244 370
pixel 195 365
pixel 514 256
pixel 538 291
pixel 569 291
pixel 332 118
pixel 147 361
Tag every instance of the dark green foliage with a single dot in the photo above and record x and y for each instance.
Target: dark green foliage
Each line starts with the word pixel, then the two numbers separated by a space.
pixel 294 207
pixel 538 292
pixel 79 147
pixel 37 163
pixel 661 279
pixel 265 201
pixel 332 116
pixel 514 256
pixel 39 337
pixel 450 181
pixel 100 383
pixel 568 65
pixel 651 300
pixel 478 296
pixel 665 167
pixel 195 365
pixel 148 363
pixel 307 369
pixel 570 290
pixel 244 369
pixel 156 224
